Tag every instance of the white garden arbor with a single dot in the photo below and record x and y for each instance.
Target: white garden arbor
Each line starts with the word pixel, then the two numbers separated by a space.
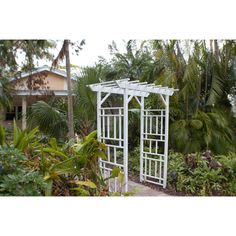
pixel 112 129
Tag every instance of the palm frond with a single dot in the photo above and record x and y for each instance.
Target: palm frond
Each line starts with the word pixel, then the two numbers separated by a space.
pixel 49 119
pixel 61 55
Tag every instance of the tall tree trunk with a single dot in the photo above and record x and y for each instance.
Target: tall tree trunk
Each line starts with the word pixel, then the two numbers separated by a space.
pixel 206 78
pixel 216 50
pixel 198 94
pixel 70 102
pixel 211 45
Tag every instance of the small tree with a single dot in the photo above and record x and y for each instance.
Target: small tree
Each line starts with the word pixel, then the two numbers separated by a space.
pixel 32 50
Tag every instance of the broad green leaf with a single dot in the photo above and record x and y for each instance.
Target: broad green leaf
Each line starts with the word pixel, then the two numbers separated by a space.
pixel 64 166
pixel 48 191
pixel 18 140
pixel 2 135
pixel 81 191
pixel 91 135
pixel 53 143
pixel 197 124
pixel 121 177
pixel 87 183
pixel 115 172
pixel 101 154
pixel 52 151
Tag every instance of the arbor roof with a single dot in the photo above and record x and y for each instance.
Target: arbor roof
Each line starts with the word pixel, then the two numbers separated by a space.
pixel 135 88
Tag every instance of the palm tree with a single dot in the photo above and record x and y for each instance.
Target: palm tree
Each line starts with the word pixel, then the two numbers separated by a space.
pixel 133 63
pixel 86 100
pixel 64 53
pixel 197 120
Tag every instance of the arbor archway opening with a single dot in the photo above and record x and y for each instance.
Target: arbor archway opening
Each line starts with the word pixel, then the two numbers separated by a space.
pixel 112 130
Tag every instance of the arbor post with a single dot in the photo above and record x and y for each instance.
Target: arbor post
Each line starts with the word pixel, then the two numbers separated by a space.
pixel 141 138
pixel 166 140
pixel 126 103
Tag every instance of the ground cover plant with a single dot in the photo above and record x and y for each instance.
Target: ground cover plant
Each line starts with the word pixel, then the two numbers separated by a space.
pixel 202 174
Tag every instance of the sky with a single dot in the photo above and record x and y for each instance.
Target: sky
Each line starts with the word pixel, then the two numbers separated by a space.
pixel 91 51
pixel 88 56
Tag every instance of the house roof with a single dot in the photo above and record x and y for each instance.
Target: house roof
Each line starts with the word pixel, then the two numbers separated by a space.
pixel 41 69
pixel 42 92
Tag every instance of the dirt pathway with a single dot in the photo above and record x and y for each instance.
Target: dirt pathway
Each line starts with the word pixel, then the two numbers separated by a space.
pixel 142 190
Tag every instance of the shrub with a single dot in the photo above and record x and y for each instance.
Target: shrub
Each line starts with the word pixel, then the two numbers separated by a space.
pixel 202 174
pixel 15 178
pixel 134 161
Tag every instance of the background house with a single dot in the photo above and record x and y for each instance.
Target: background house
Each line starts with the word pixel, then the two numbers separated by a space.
pixel 30 87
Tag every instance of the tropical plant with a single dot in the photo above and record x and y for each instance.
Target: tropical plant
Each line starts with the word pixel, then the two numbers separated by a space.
pixel 72 167
pixel 205 130
pixel 47 167
pixel 49 119
pixel 134 63
pixel 201 107
pixel 24 140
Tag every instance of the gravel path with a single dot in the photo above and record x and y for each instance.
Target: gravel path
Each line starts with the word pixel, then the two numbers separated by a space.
pixel 142 190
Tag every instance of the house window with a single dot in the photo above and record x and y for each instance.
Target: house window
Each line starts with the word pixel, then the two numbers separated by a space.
pixel 14 113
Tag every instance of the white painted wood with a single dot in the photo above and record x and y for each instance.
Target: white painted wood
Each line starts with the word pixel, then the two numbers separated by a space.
pixel 141 138
pixel 99 115
pixel 99 120
pixel 125 131
pixel 146 125
pixel 163 100
pixel 153 164
pixel 115 90
pixel 161 130
pixel 166 140
pixel 139 102
pixel 120 128
pixel 105 98
pixel 130 98
pixel 103 134
pixel 108 127
pixel 114 126
pixel 142 87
